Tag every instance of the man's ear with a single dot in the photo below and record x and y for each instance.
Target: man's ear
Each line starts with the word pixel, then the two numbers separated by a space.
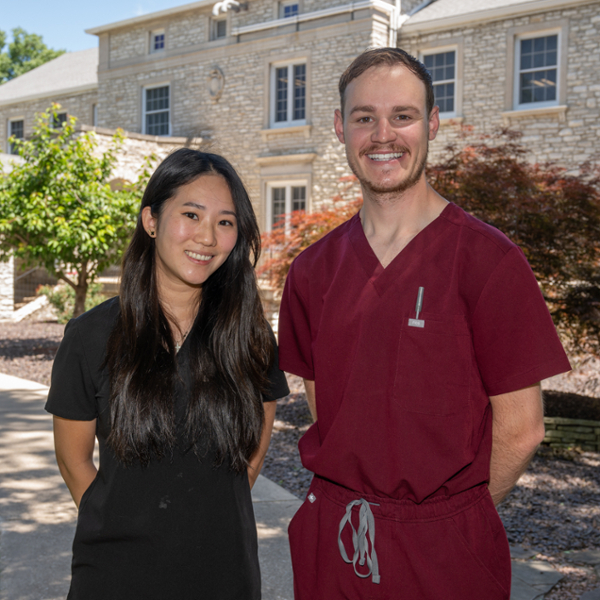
pixel 338 125
pixel 434 122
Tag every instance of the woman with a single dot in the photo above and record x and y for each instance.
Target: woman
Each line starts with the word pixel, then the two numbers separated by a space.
pixel 177 379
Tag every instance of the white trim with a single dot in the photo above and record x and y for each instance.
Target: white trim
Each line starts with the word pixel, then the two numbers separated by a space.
pixel 442 50
pixel 289 65
pixel 491 14
pixel 50 94
pixel 285 159
pixel 560 111
pixel 212 24
pixel 281 7
pixel 153 34
pixel 150 87
pixel 9 121
pixel 517 68
pixel 287 184
pixel 317 14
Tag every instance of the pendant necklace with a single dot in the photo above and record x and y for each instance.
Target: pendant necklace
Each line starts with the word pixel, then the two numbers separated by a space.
pixel 179 344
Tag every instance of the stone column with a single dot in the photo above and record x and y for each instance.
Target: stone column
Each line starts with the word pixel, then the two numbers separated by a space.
pixel 7 288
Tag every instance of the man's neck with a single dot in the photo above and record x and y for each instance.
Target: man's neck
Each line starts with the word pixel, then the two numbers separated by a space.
pixel 391 221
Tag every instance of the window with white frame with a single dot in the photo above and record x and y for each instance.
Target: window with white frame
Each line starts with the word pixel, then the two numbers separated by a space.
pixel 536 71
pixel 442 67
pixel 288 94
pixel 284 198
pixel 289 8
pixel 156 110
pixel 157 40
pixel 218 28
pixel 16 129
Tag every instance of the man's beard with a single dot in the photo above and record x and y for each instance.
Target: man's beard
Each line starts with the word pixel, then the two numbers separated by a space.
pixel 391 190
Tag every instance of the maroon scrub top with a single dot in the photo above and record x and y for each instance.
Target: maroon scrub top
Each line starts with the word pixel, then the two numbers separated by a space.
pixel 404 411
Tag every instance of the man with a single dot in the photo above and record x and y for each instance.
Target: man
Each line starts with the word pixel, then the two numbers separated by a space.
pixel 422 336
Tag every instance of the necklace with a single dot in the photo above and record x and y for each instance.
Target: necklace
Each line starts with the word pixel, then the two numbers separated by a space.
pixel 179 344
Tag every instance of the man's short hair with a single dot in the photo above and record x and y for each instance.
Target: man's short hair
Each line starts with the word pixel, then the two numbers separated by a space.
pixel 389 57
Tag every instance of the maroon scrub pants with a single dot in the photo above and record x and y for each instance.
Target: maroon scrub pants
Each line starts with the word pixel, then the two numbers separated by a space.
pixel 446 548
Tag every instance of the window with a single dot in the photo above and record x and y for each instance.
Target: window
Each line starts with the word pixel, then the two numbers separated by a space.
pixel 442 67
pixel 285 198
pixel 156 110
pixel 537 71
pixel 16 129
pixel 288 95
pixel 218 28
pixel 95 115
pixel 157 40
pixel 58 120
pixel 288 9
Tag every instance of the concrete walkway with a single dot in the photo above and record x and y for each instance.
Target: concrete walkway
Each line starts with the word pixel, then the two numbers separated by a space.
pixel 37 515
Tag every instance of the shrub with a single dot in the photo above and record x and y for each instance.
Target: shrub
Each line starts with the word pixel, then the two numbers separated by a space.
pixel 62 298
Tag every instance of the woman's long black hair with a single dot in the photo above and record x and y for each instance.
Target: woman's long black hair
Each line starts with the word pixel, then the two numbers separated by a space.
pixel 230 343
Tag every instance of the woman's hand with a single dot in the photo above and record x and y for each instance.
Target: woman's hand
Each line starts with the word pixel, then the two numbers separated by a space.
pixel 258 458
pixel 74 447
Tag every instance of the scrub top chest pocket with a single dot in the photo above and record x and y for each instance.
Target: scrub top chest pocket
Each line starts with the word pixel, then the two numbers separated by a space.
pixel 434 364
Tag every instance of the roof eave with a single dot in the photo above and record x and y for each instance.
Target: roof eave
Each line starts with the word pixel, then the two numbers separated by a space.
pixel 80 89
pixel 492 14
pixel 149 17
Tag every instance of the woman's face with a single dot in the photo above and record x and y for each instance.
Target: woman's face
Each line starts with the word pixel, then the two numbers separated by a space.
pixel 195 233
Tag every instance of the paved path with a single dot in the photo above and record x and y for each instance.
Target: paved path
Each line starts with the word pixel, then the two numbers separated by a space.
pixel 37 515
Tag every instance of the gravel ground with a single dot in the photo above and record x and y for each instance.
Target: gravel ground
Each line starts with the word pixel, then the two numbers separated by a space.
pixel 555 507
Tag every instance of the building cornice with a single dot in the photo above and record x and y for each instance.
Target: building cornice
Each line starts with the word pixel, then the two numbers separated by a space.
pixel 149 17
pixel 317 14
pixel 81 89
pixel 492 14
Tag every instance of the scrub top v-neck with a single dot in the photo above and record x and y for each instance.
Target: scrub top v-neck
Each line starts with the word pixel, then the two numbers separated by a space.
pixel 404 411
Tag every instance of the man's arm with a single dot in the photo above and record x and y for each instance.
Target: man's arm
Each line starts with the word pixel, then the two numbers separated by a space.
pixel 311 397
pixel 74 447
pixel 517 431
pixel 258 458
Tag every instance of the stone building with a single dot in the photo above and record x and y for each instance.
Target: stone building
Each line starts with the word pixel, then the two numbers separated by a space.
pixel 257 81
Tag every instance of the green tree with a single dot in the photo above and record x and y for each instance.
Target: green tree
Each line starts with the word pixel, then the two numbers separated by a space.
pixel 26 51
pixel 552 214
pixel 58 210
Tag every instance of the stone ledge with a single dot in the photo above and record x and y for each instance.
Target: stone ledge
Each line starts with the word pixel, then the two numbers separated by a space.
pixel 304 130
pixel 559 111
pixel 561 432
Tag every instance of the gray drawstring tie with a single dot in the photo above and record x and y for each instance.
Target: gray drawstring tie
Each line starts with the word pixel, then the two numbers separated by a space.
pixel 366 527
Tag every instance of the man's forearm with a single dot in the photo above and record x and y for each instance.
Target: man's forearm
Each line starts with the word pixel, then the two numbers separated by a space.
pixel 517 431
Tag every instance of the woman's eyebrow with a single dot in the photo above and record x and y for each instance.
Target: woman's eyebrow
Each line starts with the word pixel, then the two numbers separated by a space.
pixel 202 207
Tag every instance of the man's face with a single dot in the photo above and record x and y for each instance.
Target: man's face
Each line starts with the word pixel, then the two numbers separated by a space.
pixel 386 128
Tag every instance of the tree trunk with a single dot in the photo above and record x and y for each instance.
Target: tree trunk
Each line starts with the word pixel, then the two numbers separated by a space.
pixel 80 295
pixel 81 291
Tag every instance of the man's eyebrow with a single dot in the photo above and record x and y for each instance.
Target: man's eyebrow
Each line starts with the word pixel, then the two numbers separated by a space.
pixel 202 207
pixel 371 109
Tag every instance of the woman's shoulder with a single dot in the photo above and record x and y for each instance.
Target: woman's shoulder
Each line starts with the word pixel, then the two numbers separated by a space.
pixel 94 326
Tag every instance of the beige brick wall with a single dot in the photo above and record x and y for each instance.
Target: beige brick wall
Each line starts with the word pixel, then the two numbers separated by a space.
pixel 569 138
pixel 78 105
pixel 234 122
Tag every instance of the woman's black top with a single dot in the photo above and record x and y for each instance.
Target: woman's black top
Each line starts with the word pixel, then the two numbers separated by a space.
pixel 177 529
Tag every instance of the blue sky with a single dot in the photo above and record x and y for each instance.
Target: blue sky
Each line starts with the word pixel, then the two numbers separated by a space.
pixel 62 22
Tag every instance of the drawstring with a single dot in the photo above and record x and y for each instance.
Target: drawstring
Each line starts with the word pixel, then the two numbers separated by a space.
pixel 366 527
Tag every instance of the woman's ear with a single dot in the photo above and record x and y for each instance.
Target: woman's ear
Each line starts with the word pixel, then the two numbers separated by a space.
pixel 149 221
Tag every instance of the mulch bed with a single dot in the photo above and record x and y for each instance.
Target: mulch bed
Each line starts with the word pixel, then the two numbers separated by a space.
pixel 555 507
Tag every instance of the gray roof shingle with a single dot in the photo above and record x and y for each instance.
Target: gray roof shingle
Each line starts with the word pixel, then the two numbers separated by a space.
pixel 68 72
